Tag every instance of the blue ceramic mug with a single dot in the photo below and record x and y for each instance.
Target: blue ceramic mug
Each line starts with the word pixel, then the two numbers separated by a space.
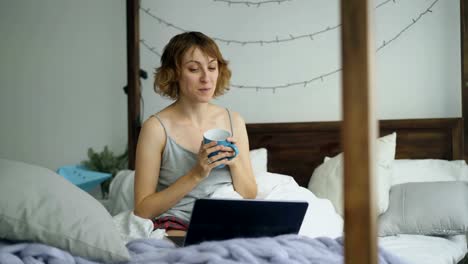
pixel 220 136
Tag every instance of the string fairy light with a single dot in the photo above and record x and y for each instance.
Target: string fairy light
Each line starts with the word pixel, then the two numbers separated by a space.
pixel 321 77
pixel 152 49
pixel 275 40
pixel 384 3
pixel 259 3
pixel 251 3
pixel 413 21
pixel 241 42
pixel 303 83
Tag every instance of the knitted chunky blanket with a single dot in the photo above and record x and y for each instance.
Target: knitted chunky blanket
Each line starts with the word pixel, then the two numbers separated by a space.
pixel 289 249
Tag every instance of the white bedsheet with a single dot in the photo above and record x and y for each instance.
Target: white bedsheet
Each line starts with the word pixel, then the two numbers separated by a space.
pixel 320 220
pixel 418 249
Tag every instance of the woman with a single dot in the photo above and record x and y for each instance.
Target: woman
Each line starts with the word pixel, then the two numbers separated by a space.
pixel 172 164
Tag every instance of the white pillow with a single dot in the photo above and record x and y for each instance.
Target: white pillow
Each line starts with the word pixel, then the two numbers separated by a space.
pixel 36 204
pixel 121 196
pixel 267 182
pixel 259 159
pixel 428 170
pixel 327 179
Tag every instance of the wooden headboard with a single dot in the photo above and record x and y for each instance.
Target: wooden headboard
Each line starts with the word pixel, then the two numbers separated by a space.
pixel 296 149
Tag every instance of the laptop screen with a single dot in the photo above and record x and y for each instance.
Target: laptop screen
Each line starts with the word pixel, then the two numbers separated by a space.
pixel 220 219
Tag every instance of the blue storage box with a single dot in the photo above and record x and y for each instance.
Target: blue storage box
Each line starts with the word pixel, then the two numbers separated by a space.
pixel 81 177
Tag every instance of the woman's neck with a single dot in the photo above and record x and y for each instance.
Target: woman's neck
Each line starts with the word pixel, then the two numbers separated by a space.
pixel 197 114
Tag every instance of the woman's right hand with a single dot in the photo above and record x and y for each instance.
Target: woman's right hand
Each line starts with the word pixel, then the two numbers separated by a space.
pixel 206 164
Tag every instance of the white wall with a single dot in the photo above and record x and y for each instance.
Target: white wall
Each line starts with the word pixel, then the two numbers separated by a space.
pixel 417 75
pixel 63 66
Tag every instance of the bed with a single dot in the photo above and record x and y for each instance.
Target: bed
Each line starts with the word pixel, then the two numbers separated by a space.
pixel 297 149
pixel 294 150
pixel 46 219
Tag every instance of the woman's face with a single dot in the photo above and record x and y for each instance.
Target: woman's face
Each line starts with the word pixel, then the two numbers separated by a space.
pixel 199 74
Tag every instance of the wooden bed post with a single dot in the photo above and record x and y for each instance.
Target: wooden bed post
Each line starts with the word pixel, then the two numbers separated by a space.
pixel 458 152
pixel 358 132
pixel 464 73
pixel 133 78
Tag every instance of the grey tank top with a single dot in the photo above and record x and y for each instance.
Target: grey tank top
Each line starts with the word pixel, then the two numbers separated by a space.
pixel 176 162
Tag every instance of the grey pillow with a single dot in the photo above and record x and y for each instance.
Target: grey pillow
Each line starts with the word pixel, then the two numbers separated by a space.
pixel 426 208
pixel 36 204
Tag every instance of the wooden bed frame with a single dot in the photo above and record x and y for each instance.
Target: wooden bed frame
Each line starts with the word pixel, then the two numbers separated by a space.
pixel 296 149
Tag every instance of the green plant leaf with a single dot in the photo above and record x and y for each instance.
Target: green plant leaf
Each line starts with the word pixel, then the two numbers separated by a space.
pixel 106 161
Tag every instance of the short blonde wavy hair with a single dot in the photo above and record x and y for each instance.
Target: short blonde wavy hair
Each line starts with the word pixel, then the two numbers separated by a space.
pixel 166 76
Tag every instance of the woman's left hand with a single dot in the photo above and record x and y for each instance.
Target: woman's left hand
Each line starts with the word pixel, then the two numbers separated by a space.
pixel 231 152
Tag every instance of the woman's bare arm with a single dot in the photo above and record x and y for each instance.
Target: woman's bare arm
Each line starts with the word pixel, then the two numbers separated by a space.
pixel 148 202
pixel 151 142
pixel 241 170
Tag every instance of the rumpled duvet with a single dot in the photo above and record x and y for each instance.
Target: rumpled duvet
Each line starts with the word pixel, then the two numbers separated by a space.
pixel 289 249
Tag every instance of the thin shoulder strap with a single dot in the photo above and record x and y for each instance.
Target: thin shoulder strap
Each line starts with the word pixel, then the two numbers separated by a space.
pixel 162 124
pixel 230 121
